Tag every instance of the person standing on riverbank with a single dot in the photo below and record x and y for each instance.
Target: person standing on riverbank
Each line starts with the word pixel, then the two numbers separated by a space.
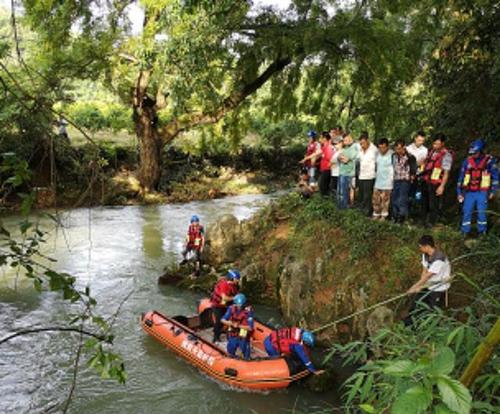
pixel 477 183
pixel 435 177
pixel 383 181
pixel 239 320
pixel 195 242
pixel 367 161
pixel 335 169
pixel 223 293
pixel 434 280
pixel 311 159
pixel 325 164
pixel 420 152
pixel 405 170
pixel 347 170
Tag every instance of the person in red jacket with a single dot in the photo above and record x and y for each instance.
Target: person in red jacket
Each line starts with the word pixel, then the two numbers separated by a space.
pixel 325 164
pixel 195 241
pixel 223 293
pixel 311 159
pixel 290 341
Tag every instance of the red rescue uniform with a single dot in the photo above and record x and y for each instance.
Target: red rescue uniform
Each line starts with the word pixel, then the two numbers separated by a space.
pixel 223 287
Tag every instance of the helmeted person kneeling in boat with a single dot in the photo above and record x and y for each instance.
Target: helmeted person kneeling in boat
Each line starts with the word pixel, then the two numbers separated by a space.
pixel 239 320
pixel 195 242
pixel 289 341
pixel 223 294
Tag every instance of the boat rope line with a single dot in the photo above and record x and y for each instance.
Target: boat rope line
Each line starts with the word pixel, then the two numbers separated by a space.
pixel 352 315
pixel 385 302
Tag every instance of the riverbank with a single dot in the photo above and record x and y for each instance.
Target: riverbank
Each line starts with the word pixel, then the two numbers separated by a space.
pixel 318 264
pixel 90 176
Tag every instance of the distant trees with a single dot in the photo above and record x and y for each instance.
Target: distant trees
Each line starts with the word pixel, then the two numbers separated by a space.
pixel 389 67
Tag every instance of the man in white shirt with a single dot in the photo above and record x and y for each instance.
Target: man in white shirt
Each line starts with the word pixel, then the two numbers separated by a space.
pixel 434 280
pixel 367 161
pixel 418 149
pixel 420 152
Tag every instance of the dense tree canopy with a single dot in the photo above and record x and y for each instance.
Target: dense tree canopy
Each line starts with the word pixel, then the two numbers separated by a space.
pixel 390 67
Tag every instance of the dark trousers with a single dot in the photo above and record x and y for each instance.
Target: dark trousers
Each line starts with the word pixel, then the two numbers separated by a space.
pixel 432 203
pixel 365 196
pixel 400 199
pixel 324 182
pixel 218 314
pixel 430 298
pixel 334 182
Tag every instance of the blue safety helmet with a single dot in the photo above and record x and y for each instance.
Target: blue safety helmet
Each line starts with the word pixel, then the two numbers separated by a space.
pixel 195 219
pixel 476 146
pixel 240 299
pixel 308 338
pixel 312 134
pixel 233 275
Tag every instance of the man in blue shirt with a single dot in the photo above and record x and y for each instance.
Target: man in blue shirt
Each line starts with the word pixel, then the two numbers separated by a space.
pixel 477 183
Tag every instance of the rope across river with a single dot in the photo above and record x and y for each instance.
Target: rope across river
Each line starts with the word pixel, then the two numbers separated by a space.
pixel 352 315
pixel 400 296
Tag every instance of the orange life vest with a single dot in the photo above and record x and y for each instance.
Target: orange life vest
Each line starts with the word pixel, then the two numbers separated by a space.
pixel 477 177
pixel 195 236
pixel 433 170
pixel 283 338
pixel 241 318
pixel 311 149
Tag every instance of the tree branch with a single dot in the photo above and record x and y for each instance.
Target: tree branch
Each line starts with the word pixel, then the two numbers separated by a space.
pixel 30 97
pixel 50 329
pixel 178 125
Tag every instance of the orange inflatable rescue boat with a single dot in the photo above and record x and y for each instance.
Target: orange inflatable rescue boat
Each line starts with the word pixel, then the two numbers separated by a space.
pixel 190 337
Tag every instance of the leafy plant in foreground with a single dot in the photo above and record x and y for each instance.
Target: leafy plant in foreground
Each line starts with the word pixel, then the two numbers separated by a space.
pixel 414 370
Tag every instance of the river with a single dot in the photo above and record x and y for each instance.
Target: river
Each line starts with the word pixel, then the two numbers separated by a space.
pixel 120 251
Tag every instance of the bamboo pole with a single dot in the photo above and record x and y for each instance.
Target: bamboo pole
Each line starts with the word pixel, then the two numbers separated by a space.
pixel 482 355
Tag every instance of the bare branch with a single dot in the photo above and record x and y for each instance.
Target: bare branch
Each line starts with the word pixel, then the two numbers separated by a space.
pixel 128 57
pixel 28 96
pixel 23 332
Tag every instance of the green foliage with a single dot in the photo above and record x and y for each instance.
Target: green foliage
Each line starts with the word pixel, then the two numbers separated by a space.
pixel 95 116
pixel 413 370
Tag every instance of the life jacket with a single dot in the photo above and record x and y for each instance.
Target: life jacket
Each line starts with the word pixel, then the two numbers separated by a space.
pixel 433 168
pixel 216 298
pixel 477 177
pixel 195 236
pixel 311 149
pixel 283 338
pixel 241 318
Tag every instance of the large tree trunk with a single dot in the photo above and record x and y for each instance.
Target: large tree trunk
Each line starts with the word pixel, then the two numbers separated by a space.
pixel 149 149
pixel 152 139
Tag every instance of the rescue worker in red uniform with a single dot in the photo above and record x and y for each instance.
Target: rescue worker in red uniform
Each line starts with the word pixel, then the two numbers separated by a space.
pixel 223 294
pixel 289 341
pixel 435 175
pixel 195 241
pixel 312 158
pixel 239 320
pixel 477 183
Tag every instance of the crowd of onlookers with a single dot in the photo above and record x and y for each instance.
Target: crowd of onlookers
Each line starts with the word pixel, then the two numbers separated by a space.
pixel 385 180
